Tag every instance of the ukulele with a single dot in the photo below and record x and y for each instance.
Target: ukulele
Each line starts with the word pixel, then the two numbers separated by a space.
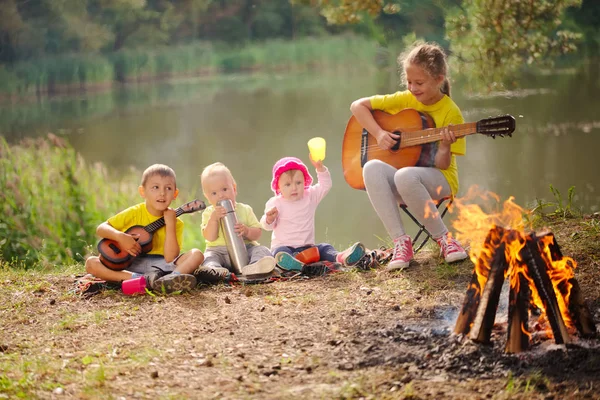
pixel 415 129
pixel 116 259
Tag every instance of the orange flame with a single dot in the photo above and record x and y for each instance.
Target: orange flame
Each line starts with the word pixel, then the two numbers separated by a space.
pixel 479 214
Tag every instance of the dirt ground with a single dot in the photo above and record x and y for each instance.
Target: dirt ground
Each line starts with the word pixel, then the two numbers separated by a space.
pixel 349 335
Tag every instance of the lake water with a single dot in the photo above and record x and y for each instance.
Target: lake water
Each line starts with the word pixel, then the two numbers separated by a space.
pixel 249 122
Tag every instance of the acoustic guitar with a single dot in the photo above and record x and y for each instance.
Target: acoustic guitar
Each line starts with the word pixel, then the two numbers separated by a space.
pixel 416 129
pixel 113 257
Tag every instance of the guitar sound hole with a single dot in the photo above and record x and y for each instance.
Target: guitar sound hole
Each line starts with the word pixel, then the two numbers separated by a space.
pixel 396 147
pixel 114 248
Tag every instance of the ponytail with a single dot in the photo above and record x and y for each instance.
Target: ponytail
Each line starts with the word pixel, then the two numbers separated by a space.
pixel 445 87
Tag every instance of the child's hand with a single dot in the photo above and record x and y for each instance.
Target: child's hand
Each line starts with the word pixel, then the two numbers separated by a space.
pixel 447 136
pixel 129 244
pixel 271 215
pixel 386 140
pixel 219 213
pixel 170 216
pixel 317 164
pixel 241 230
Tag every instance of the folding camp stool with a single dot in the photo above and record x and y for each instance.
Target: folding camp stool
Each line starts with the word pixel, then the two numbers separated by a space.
pixel 441 204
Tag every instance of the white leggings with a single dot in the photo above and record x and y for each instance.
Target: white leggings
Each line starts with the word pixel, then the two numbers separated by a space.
pixel 417 187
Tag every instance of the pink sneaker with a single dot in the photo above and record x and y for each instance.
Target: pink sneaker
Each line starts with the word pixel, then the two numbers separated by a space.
pixel 450 249
pixel 403 253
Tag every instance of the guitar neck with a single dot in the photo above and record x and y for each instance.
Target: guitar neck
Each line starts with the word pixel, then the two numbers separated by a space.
pixel 159 223
pixel 416 138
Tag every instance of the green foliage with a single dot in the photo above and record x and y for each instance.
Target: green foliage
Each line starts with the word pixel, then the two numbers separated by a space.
pixel 49 205
pixel 73 72
pixel 52 201
pixel 592 227
pixel 493 41
pixel 563 208
pixel 350 11
pixel 124 39
pixel 534 382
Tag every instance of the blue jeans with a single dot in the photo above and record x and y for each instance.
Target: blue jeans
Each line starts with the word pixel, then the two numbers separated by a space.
pixel 326 251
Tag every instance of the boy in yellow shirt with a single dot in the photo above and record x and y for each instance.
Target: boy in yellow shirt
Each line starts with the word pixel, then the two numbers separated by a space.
pixel 164 268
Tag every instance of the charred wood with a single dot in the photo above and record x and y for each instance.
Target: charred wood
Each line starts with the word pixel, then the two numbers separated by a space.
pixel 571 291
pixel 580 312
pixel 518 317
pixel 472 298
pixel 537 269
pixel 486 312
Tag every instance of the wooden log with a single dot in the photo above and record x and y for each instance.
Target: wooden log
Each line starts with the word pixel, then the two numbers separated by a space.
pixel 578 309
pixel 483 323
pixel 470 305
pixel 537 269
pixel 580 312
pixel 517 339
pixel 469 308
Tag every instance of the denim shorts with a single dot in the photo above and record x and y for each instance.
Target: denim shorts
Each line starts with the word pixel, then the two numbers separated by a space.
pixel 144 264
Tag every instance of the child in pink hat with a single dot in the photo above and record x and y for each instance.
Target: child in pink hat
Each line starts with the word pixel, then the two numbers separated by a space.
pixel 290 214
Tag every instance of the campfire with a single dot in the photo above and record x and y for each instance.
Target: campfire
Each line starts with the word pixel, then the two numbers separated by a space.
pixel 541 279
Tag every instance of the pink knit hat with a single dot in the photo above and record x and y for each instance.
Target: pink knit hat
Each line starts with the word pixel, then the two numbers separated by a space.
pixel 286 164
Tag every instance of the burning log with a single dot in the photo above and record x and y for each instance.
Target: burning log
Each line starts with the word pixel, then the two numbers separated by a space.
pixel 470 306
pixel 518 316
pixel 580 312
pixel 570 289
pixel 486 312
pixel 537 270
pixel 539 277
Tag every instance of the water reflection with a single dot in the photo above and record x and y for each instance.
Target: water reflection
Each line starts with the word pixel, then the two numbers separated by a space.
pixel 250 122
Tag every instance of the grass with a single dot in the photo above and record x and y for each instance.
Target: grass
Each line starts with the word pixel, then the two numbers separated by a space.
pixel 83 71
pixel 563 208
pixel 51 205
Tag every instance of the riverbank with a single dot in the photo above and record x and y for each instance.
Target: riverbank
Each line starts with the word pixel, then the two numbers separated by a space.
pixel 349 335
pixel 91 73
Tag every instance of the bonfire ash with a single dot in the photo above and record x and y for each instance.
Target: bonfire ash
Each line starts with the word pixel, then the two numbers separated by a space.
pixel 540 279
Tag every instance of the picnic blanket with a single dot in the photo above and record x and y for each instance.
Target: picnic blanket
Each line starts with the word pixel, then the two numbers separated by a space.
pixel 88 285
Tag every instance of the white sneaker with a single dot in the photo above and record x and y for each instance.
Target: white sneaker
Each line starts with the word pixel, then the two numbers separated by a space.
pixel 263 266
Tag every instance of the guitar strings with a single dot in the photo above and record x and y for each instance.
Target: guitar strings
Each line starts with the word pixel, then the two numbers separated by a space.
pixel 416 137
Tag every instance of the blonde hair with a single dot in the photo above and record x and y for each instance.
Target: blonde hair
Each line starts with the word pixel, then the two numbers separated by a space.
pixel 216 168
pixel 429 56
pixel 158 169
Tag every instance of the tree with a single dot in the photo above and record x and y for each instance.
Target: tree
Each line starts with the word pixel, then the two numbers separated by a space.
pixel 351 11
pixel 494 39
pixel 490 38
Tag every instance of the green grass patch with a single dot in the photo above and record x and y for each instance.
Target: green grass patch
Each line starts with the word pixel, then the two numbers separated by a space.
pixel 51 204
pixel 65 73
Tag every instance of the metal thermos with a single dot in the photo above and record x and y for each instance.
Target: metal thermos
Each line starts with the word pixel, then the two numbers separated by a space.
pixel 235 244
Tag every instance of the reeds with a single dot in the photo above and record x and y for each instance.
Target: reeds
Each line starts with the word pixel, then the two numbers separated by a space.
pixel 74 72
pixel 51 202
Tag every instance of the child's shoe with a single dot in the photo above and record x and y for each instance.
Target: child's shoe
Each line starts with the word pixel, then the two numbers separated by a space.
pixel 211 275
pixel 174 282
pixel 288 262
pixel 321 268
pixel 153 276
pixel 450 249
pixel 403 253
pixel 368 261
pixel 352 255
pixel 263 266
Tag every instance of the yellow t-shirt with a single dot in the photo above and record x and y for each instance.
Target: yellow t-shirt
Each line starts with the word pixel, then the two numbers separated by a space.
pixel 245 215
pixel 444 112
pixel 139 215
